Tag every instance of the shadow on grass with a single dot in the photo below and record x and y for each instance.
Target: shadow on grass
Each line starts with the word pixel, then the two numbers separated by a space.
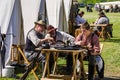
pixel 112 78
pixel 115 40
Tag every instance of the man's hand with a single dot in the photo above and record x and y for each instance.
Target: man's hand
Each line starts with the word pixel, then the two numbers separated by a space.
pixel 50 40
pixel 79 43
pixel 95 53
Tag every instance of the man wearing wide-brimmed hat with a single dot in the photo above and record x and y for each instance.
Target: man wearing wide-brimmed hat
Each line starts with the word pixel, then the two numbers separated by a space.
pixel 58 35
pixel 34 39
pixel 61 36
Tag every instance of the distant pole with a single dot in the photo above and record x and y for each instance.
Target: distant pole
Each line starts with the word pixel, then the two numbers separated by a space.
pixel 45 13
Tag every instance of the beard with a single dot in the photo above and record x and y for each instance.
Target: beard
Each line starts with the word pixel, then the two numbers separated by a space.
pixel 53 35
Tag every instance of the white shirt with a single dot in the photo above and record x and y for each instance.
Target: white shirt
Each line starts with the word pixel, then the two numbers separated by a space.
pixel 63 36
pixel 33 37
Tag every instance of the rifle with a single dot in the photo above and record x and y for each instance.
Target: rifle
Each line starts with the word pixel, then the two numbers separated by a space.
pixel 30 67
pixel 32 64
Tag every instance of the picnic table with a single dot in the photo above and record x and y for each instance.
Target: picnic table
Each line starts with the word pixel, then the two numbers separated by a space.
pixel 55 52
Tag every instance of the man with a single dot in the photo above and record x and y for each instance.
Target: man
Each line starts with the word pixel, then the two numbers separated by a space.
pixel 103 19
pixel 79 20
pixel 34 39
pixel 61 36
pixel 91 41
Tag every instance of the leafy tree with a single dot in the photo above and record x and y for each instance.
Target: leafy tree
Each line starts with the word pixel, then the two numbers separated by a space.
pixel 94 1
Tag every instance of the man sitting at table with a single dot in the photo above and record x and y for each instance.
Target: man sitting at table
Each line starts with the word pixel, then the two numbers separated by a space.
pixel 35 39
pixel 61 36
pixel 79 19
pixel 91 42
pixel 103 19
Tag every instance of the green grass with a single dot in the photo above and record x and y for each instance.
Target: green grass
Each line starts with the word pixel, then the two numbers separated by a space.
pixel 111 49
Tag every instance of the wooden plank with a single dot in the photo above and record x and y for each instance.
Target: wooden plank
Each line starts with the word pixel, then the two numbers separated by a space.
pixel 50 79
pixel 103 25
pixel 63 77
pixel 60 77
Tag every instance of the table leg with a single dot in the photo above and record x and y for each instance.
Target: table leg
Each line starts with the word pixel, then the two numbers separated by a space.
pixel 46 64
pixel 55 61
pixel 75 57
pixel 82 65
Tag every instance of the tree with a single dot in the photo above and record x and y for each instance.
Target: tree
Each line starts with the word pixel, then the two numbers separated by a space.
pixel 93 1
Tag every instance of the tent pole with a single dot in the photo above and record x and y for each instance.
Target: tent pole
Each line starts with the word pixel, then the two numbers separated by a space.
pixel 45 13
pixel 63 15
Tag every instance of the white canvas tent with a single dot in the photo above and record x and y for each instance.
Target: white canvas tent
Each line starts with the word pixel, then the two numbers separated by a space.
pixel 18 16
pixel 58 13
pixel 10 22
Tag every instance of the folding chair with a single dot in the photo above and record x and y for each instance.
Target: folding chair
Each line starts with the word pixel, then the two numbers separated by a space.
pixel 18 47
pixel 77 32
pixel 101 47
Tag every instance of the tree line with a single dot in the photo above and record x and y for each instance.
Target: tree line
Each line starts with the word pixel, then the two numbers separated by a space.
pixel 93 1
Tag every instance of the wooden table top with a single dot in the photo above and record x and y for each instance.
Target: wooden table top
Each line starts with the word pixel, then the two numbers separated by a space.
pixel 103 25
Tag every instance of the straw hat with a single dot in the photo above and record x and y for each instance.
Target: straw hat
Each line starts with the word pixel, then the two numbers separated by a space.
pixel 40 22
pixel 50 28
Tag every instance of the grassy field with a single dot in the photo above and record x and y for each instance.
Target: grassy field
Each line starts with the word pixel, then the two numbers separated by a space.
pixel 111 49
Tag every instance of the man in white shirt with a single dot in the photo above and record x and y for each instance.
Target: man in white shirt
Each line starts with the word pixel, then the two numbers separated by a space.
pixel 35 39
pixel 61 36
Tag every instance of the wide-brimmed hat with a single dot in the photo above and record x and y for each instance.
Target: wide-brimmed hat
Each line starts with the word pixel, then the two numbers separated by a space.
pixel 40 22
pixel 50 28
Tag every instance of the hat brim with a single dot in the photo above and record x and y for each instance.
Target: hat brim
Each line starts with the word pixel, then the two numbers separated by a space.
pixel 51 30
pixel 39 24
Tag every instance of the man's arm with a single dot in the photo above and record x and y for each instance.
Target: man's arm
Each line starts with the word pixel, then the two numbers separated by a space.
pixel 37 41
